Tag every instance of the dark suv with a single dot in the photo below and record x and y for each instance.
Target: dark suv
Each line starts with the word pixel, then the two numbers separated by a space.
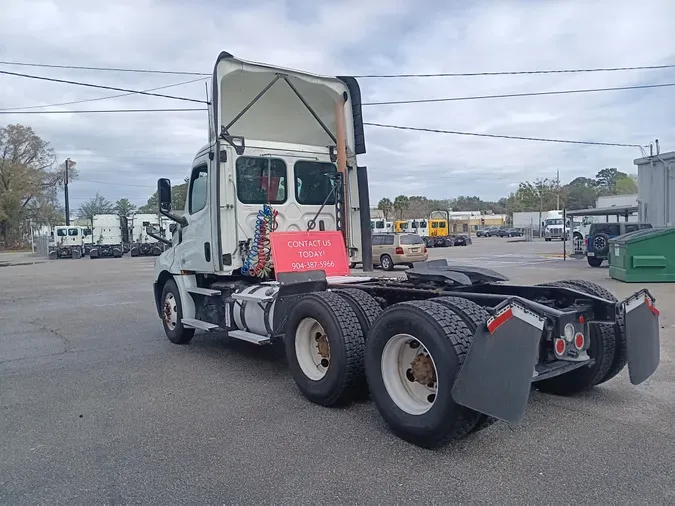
pixel 597 242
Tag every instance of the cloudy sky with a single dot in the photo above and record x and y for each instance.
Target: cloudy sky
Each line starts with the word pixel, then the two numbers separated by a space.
pixel 122 155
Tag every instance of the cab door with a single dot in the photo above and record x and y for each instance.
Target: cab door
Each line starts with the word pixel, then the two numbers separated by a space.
pixel 196 248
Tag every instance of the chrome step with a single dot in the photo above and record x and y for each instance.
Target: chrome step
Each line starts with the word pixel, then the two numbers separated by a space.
pixel 249 336
pixel 204 291
pixel 253 297
pixel 198 324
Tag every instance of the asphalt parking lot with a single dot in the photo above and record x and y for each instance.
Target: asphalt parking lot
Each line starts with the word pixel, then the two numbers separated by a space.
pixel 96 406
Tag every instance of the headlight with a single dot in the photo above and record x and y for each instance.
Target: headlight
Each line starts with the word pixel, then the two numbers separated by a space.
pixel 569 332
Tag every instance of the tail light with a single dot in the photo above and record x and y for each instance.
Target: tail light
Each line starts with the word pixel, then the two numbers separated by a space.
pixel 586 241
pixel 399 250
pixel 425 248
pixel 579 341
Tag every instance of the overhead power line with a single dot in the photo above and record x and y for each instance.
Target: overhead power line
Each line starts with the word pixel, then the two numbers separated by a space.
pixel 106 69
pixel 363 76
pixel 112 183
pixel 103 98
pixel 102 87
pixel 513 95
pixel 100 111
pixel 515 72
pixel 495 136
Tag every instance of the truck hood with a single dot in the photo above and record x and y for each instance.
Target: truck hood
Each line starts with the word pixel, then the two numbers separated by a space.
pixel 279 114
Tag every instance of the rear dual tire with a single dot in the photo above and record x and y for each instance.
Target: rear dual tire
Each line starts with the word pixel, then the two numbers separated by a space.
pixel 369 350
pixel 417 404
pixel 324 344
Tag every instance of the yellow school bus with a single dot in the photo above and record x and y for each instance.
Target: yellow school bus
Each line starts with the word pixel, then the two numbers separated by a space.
pixel 438 228
pixel 400 226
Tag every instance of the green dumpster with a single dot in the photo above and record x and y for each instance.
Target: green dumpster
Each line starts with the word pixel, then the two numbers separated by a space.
pixel 643 256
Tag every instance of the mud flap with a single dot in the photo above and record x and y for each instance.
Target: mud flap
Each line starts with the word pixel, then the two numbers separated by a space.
pixel 642 336
pixel 496 376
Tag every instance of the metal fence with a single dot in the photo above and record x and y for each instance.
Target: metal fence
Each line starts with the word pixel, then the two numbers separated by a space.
pixel 41 245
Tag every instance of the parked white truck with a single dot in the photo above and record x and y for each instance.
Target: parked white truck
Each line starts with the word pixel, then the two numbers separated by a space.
pixel 68 242
pixel 444 352
pixel 107 236
pixel 142 243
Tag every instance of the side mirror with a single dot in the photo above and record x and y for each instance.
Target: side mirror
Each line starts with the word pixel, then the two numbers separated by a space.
pixel 164 194
pixel 172 228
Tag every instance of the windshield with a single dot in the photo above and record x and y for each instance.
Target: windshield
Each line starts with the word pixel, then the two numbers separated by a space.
pixel 379 224
pixel 61 232
pixel 554 221
pixel 411 239
pixel 314 182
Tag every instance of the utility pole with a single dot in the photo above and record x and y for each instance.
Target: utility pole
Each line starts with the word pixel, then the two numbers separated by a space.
pixel 69 164
pixel 557 188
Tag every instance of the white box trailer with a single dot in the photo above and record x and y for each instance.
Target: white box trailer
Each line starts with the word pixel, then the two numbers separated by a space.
pixel 107 236
pixel 143 244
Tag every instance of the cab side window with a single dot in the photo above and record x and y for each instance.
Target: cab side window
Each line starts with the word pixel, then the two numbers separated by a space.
pixel 198 189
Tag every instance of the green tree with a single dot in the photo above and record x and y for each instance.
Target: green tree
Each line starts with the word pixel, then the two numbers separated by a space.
pixel 124 208
pixel 626 185
pixel 401 204
pixel 580 193
pixel 94 206
pixel 178 197
pixel 29 182
pixel 606 180
pixel 539 195
pixel 386 206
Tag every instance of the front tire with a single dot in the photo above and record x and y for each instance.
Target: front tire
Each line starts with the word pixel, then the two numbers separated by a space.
pixel 413 355
pixel 172 315
pixel 324 345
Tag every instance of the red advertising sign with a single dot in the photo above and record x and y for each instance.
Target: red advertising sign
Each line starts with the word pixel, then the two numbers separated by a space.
pixel 310 251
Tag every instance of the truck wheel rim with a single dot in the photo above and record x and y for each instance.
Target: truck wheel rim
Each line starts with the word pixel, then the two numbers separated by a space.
pixel 170 311
pixel 312 349
pixel 409 374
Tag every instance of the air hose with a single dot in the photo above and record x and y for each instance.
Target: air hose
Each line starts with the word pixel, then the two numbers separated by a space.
pixel 258 261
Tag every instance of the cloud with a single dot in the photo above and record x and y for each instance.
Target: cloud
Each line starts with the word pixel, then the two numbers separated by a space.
pixel 128 152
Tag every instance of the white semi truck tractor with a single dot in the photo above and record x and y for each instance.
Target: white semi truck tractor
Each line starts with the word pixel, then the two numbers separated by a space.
pixel 142 242
pixel 68 242
pixel 444 352
pixel 107 236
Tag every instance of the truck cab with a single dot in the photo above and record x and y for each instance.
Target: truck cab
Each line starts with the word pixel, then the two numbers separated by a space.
pixel 279 142
pixel 556 228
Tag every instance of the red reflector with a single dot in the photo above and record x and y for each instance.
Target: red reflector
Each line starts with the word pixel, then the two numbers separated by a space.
pixel 500 320
pixel 652 307
pixel 559 346
pixel 582 320
pixel 579 340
